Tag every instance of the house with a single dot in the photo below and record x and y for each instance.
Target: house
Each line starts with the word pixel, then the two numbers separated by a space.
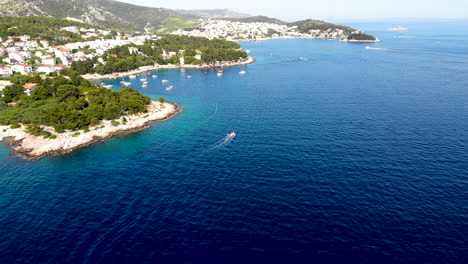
pixel 25 38
pixel 29 88
pixel 48 61
pixel 24 69
pixel 6 71
pixel 2 51
pixel 182 60
pixel 44 43
pixel 133 50
pixel 46 69
pixel 59 67
pixel 16 57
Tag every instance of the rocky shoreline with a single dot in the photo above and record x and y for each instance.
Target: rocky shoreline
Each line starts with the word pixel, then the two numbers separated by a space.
pixel 164 67
pixel 32 147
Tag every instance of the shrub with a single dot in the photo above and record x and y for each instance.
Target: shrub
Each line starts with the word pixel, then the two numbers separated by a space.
pixel 86 129
pixel 15 125
pixel 76 134
pixel 52 136
pixel 162 99
pixel 115 123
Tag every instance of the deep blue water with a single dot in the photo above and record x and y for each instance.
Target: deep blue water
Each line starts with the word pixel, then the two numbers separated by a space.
pixel 349 155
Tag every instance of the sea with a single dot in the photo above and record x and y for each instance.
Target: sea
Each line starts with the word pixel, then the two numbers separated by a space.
pixel 345 153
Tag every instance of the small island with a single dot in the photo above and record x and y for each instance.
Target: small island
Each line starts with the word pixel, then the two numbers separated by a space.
pixel 67 112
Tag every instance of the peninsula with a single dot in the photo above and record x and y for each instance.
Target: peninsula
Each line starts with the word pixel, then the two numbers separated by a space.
pixel 67 112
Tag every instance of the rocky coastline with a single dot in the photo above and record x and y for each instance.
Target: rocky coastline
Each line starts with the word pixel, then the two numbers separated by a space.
pixel 32 147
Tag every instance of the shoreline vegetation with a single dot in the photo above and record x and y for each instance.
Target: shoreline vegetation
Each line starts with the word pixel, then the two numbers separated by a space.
pixel 34 147
pixel 143 69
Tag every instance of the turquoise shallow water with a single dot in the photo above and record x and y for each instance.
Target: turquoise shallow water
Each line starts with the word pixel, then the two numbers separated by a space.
pixel 347 155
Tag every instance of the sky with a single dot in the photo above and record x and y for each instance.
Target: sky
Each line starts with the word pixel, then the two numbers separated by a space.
pixel 292 10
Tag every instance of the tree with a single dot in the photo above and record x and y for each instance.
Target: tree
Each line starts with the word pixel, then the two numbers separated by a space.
pixel 162 99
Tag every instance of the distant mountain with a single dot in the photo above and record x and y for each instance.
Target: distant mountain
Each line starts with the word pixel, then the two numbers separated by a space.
pixel 213 13
pixel 259 19
pixel 107 13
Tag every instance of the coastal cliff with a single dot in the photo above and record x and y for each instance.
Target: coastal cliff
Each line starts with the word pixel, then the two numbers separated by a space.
pixel 35 147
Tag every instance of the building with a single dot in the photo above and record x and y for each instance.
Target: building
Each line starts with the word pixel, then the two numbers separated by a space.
pixel 48 61
pixel 6 71
pixel 24 69
pixel 133 50
pixel 46 69
pixel 29 88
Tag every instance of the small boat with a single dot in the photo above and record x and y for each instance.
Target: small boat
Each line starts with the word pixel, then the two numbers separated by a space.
pixel 132 76
pixel 231 134
pixel 242 72
pixel 154 76
pixel 165 81
pixel 169 88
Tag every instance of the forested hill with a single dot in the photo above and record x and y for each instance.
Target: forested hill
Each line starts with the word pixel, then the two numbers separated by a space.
pixel 305 26
pixel 66 102
pixel 44 28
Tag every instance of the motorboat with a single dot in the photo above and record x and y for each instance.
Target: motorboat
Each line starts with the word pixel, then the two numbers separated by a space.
pixel 108 86
pixel 132 76
pixel 169 88
pixel 189 76
pixel 125 83
pixel 143 79
pixel 231 134
pixel 154 76
pixel 242 72
pixel 165 81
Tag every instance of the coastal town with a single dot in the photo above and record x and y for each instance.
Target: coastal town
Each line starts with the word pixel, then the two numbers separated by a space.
pixel 21 54
pixel 235 31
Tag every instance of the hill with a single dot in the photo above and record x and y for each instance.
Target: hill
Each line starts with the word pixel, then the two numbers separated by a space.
pixel 257 19
pixel 213 13
pixel 305 26
pixel 106 13
pixel 45 28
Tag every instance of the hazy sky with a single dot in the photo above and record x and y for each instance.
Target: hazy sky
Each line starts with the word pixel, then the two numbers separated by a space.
pixel 326 9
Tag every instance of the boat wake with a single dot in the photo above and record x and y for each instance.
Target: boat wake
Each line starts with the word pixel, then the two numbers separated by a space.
pixel 371 48
pixel 222 142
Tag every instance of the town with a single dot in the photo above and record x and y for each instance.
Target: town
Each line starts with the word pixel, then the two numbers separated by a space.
pixel 23 55
pixel 235 31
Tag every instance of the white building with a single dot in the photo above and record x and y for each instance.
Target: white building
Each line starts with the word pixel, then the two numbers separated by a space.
pixel 46 69
pixel 49 61
pixel 24 69
pixel 6 71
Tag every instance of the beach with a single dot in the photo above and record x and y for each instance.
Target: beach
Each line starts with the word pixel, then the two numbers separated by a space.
pixel 28 146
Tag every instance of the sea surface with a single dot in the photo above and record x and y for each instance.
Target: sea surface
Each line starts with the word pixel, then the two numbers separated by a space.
pixel 343 154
